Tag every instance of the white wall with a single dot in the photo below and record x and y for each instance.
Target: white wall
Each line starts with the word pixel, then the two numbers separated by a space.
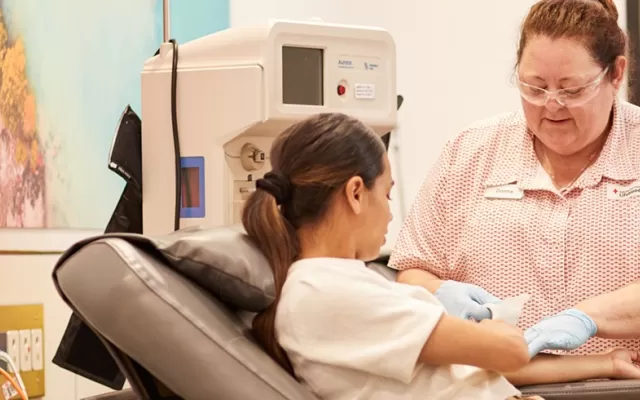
pixel 455 62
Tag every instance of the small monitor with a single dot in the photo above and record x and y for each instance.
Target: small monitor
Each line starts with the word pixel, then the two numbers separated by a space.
pixel 192 204
pixel 190 187
pixel 302 76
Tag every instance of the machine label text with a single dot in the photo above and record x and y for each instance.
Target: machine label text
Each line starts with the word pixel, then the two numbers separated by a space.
pixel 345 64
pixel 365 91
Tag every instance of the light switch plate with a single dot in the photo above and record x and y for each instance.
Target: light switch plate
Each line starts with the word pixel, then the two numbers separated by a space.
pixel 37 360
pixel 25 317
pixel 13 347
pixel 25 350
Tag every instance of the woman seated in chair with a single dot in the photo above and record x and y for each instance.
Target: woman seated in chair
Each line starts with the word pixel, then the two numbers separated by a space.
pixel 344 330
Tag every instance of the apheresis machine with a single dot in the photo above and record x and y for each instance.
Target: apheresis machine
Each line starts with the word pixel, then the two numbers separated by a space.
pixel 236 91
pixel 165 299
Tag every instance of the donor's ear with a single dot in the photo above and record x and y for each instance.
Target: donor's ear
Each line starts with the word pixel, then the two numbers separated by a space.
pixel 353 190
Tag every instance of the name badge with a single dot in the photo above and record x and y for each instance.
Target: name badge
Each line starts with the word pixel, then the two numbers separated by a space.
pixel 511 192
pixel 620 192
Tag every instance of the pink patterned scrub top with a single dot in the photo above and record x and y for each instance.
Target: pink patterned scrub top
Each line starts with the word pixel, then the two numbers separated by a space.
pixel 488 214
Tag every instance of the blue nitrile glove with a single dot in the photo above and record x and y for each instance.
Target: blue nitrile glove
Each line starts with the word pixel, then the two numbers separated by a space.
pixel 465 300
pixel 567 330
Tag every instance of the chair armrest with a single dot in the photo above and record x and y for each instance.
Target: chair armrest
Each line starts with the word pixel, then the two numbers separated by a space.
pixel 588 390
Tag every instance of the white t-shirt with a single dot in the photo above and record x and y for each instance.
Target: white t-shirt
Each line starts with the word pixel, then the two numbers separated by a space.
pixel 352 334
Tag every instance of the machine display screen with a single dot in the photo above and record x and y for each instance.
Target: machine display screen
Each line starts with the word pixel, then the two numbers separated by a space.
pixel 302 76
pixel 192 204
pixel 191 187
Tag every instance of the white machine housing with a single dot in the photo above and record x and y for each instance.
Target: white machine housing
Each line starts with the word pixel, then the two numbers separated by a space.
pixel 237 89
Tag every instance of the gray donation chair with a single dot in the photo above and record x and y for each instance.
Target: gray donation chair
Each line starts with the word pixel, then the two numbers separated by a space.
pixel 171 312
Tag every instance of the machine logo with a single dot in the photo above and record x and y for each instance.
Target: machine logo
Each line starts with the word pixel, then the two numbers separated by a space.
pixel 369 66
pixel 345 64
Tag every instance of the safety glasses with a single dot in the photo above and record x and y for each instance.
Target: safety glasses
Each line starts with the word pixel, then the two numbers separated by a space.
pixel 567 97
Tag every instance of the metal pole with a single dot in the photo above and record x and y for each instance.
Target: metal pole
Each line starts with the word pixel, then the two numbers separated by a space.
pixel 166 23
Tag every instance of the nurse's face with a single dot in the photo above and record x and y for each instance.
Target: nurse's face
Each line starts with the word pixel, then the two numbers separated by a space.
pixel 566 95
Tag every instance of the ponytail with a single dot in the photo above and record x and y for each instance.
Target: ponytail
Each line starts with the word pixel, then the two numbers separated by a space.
pixel 277 240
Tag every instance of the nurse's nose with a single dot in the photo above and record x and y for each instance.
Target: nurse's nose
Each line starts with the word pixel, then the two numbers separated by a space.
pixel 553 105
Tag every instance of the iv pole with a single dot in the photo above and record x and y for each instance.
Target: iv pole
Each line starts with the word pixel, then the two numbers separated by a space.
pixel 166 23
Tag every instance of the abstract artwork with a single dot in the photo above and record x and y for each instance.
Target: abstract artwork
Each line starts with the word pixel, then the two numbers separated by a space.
pixel 67 70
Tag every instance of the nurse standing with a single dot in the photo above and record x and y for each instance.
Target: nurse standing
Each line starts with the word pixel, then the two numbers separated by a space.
pixel 544 201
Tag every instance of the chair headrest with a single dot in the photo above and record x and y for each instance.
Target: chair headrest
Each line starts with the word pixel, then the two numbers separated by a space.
pixel 224 262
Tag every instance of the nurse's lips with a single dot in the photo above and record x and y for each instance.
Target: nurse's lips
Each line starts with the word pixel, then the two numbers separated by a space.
pixel 557 121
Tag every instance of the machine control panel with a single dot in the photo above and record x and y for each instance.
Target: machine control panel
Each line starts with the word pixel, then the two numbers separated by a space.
pixel 340 75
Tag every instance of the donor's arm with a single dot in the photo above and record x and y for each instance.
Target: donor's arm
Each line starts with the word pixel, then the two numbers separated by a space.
pixel 382 328
pixel 491 345
pixel 548 368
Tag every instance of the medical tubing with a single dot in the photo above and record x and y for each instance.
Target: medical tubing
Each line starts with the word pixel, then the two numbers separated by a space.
pixel 176 138
pixel 9 361
pixel 12 382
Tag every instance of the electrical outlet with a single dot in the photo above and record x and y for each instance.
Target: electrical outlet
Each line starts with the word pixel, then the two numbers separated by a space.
pixel 37 360
pixel 27 319
pixel 25 350
pixel 13 347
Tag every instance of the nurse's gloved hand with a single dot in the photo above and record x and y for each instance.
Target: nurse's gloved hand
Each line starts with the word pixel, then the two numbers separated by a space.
pixel 567 330
pixel 465 300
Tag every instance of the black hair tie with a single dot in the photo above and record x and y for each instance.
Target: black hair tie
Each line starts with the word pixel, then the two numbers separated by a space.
pixel 277 185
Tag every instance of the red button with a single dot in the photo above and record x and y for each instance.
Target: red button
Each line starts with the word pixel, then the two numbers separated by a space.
pixel 341 90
